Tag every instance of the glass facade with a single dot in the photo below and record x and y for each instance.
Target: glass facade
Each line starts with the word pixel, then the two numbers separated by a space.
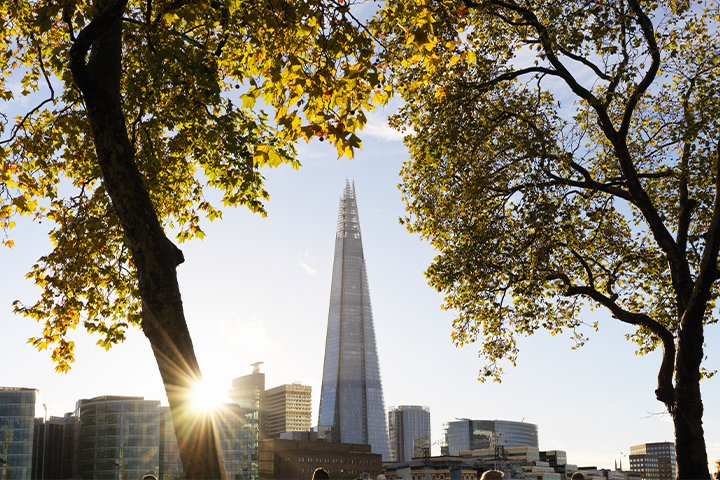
pixel 409 428
pixel 116 438
pixel 237 429
pixel 477 434
pixel 351 399
pixel 17 425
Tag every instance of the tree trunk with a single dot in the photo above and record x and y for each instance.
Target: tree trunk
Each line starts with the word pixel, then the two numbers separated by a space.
pixel 154 255
pixel 690 452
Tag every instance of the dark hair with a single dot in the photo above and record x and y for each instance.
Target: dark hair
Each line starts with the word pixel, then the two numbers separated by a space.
pixel 149 476
pixel 320 474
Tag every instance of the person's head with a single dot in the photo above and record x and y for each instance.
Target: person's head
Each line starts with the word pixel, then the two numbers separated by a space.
pixel 149 476
pixel 320 474
pixel 492 475
pixel 577 476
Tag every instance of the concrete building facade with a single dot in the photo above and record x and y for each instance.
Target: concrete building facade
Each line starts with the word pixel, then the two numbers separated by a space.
pixel 289 409
pixel 297 459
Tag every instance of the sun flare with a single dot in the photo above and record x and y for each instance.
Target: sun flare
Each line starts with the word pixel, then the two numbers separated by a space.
pixel 206 396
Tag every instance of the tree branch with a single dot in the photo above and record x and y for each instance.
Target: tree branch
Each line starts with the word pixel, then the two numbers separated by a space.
pixel 665 391
pixel 508 76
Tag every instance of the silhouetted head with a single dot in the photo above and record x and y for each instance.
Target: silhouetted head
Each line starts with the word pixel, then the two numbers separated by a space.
pixel 577 476
pixel 320 474
pixel 149 476
pixel 492 475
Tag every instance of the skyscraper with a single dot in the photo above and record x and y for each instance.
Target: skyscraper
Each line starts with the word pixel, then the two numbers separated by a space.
pixel 409 427
pixel 351 400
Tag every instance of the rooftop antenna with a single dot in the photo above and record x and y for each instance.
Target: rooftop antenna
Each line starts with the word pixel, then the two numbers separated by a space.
pixel 256 366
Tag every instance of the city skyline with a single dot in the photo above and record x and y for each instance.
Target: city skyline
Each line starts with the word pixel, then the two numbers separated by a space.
pixel 594 402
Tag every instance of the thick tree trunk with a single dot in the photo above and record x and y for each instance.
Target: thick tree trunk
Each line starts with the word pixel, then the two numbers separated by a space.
pixel 690 452
pixel 155 257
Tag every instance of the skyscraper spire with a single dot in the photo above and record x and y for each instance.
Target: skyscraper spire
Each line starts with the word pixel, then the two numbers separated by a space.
pixel 351 400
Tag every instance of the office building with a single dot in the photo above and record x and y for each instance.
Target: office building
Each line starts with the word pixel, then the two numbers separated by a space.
pixel 248 391
pixel 653 461
pixel 409 430
pixel 51 457
pixel 116 437
pixel 237 431
pixel 297 459
pixel 17 432
pixel 469 434
pixel 352 408
pixel 289 409
pixel 556 458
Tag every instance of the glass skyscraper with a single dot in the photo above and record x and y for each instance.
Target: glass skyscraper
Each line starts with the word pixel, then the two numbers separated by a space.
pixel 352 409
pixel 409 427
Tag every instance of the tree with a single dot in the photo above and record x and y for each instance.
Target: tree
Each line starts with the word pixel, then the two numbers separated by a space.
pixel 137 120
pixel 567 153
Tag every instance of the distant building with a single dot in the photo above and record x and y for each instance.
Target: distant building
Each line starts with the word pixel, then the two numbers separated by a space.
pixel 297 459
pixel 469 434
pixel 116 437
pixel 409 429
pixel 540 470
pixel 438 468
pixel 567 470
pixel 352 408
pixel 52 459
pixel 654 461
pixel 521 454
pixel 592 473
pixel 289 409
pixel 554 457
pixel 248 391
pixel 17 431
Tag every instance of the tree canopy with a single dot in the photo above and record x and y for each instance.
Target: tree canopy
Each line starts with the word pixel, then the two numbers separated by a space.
pixel 195 75
pixel 566 154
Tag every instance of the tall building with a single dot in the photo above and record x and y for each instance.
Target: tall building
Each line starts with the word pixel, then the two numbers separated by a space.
pixel 17 432
pixel 409 428
pixel 653 461
pixel 469 434
pixel 289 409
pixel 352 408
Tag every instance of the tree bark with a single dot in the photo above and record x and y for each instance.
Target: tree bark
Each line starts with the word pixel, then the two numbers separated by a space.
pixel 687 411
pixel 154 255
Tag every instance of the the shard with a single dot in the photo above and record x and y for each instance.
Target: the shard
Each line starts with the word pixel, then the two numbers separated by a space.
pixel 352 409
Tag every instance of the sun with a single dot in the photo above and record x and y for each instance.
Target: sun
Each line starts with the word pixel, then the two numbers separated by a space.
pixel 207 396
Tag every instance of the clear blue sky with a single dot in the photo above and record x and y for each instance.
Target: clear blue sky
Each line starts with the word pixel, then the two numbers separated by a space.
pixel 257 289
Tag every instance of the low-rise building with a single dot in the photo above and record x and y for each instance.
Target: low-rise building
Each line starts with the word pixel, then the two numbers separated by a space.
pixel 282 459
pixel 445 467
